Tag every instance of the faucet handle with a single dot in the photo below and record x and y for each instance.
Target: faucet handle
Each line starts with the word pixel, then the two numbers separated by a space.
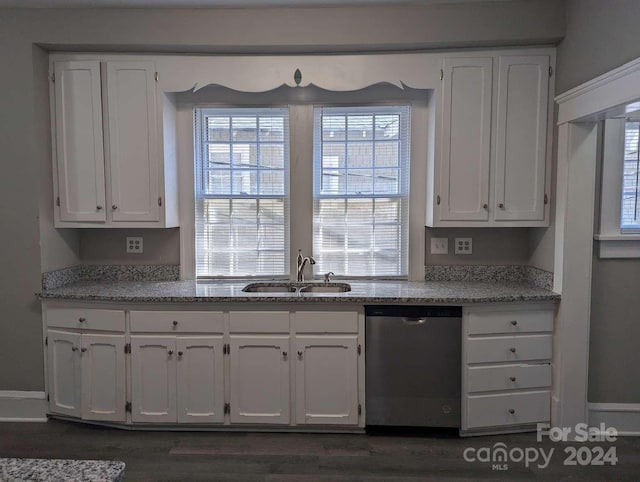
pixel 327 276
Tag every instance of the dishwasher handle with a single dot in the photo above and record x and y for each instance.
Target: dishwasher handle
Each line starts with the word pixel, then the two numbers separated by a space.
pixel 414 320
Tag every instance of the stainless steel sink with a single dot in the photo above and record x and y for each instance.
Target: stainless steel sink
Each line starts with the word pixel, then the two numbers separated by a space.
pixel 326 288
pixel 269 288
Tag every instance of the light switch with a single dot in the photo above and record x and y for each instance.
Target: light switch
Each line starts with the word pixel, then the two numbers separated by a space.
pixel 439 245
pixel 464 245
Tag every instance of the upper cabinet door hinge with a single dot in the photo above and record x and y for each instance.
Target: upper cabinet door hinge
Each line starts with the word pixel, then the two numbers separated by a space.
pixel 160 201
pixel 550 71
pixel 48 398
pixel 156 77
pixel 53 76
pixel 359 409
pixel 359 349
pixel 127 348
pixel 58 201
pixel 438 199
pixel 441 74
pixel 546 199
pixel 46 341
pixel 127 407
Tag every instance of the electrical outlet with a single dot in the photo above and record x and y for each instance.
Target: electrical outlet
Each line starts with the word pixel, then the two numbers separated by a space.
pixel 439 245
pixel 134 244
pixel 464 245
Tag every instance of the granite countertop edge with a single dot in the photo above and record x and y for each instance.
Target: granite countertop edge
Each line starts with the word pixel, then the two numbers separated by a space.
pixel 374 292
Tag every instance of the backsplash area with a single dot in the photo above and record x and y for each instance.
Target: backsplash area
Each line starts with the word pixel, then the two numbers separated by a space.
pixel 493 273
pixel 74 274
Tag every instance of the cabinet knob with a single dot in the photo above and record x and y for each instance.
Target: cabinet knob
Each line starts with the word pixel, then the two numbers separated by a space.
pixel 513 379
pixel 179 353
pixel 512 411
pixel 82 320
pixel 74 348
pixel 114 206
pixel 170 352
pixel 512 349
pixel 99 208
pixel 514 322
pixel 485 206
pixel 299 354
pixel 83 350
pixel 501 205
pixel 175 323
pixel 284 354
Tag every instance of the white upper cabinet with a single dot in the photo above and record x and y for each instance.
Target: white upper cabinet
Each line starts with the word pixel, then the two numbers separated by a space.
pixel 79 143
pixel 521 134
pixel 492 159
pixel 466 139
pixel 114 137
pixel 133 145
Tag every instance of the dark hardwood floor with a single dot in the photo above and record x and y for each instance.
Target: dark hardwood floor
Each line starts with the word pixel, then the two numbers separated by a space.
pixel 182 456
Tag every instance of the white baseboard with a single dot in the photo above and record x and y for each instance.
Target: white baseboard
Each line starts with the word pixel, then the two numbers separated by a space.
pixel 16 406
pixel 624 417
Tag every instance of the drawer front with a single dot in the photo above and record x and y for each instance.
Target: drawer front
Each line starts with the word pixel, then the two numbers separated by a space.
pixel 86 319
pixel 509 348
pixel 326 322
pixel 509 322
pixel 177 321
pixel 508 409
pixel 508 377
pixel 259 321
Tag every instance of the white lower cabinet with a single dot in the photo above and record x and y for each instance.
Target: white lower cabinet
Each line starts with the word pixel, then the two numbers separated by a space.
pixel 326 371
pixel 177 379
pixel 259 379
pixel 86 374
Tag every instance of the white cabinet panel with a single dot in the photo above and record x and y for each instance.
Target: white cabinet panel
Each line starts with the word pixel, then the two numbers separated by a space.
pixel 132 148
pixel 64 372
pixel 508 409
pixel 86 319
pixel 326 380
pixel 103 377
pixel 521 133
pixel 466 140
pixel 508 377
pixel 259 379
pixel 200 379
pixel 511 322
pixel 153 379
pixel 509 348
pixel 79 143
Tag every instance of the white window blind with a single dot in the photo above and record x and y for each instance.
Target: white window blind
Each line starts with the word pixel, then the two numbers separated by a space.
pixel 242 192
pixel 630 216
pixel 361 190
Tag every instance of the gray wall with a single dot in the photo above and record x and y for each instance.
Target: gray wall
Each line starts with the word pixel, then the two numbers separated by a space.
pixel 602 35
pixel 108 246
pixel 29 244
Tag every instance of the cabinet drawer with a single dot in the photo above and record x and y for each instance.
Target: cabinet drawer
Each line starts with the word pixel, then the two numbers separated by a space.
pixel 87 319
pixel 508 348
pixel 326 322
pixel 508 377
pixel 509 322
pixel 177 321
pixel 508 409
pixel 259 321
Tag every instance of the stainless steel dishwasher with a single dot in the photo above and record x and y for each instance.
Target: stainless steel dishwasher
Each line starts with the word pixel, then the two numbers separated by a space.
pixel 413 366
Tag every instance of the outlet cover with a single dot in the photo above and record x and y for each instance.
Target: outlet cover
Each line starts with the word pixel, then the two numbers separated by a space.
pixel 439 245
pixel 134 244
pixel 464 245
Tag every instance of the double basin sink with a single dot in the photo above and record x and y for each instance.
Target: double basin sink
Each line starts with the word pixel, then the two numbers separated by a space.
pixel 297 287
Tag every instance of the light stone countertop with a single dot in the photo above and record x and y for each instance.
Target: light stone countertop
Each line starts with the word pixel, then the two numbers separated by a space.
pixel 364 292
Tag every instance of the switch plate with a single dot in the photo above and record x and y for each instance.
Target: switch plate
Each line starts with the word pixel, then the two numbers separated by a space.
pixel 464 245
pixel 134 244
pixel 439 245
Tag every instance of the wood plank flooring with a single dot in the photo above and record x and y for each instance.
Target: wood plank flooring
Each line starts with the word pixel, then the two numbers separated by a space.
pixel 218 456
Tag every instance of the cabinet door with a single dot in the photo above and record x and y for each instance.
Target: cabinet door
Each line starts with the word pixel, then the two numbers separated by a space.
pixel 103 377
pixel 79 144
pixel 153 379
pixel 327 380
pixel 466 140
pixel 259 379
pixel 200 379
pixel 64 372
pixel 521 133
pixel 132 149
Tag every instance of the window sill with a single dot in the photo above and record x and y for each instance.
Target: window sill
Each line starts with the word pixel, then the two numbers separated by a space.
pixel 618 245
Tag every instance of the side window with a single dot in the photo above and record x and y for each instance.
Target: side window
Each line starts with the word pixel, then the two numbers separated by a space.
pixel 630 212
pixel 242 192
pixel 361 190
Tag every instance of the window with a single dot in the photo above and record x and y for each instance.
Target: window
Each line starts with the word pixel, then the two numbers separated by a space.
pixel 242 192
pixel 630 213
pixel 361 190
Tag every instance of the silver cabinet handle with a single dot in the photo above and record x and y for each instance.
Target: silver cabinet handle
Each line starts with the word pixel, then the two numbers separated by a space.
pixel 114 206
pixel 82 320
pixel 514 322
pixel 485 206
pixel 170 352
pixel 299 354
pixel 175 323
pixel 513 379
pixel 512 349
pixel 512 411
pixel 407 320
pixel 179 353
pixel 99 208
pixel 501 205
pixel 74 348
pixel 284 354
pixel 83 350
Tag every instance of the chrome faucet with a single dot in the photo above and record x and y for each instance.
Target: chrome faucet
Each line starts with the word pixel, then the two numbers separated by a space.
pixel 301 261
